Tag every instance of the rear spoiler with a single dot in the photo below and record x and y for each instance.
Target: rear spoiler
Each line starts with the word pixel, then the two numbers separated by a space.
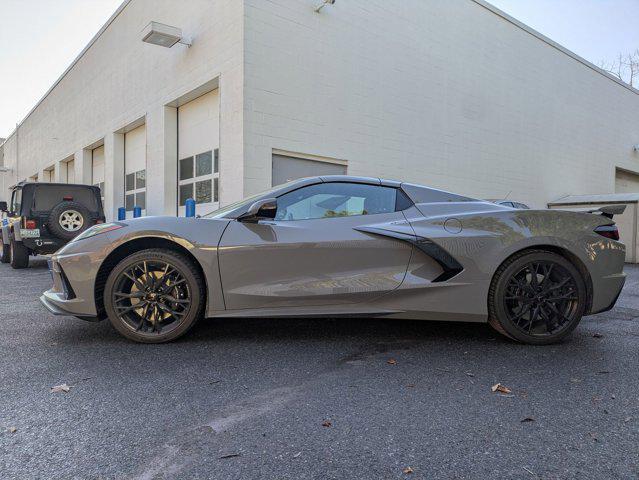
pixel 608 211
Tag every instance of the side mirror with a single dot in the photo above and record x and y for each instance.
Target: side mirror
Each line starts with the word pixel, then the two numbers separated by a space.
pixel 4 207
pixel 265 208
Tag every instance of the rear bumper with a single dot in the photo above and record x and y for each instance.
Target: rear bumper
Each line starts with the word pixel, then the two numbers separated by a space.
pixel 612 287
pixel 44 245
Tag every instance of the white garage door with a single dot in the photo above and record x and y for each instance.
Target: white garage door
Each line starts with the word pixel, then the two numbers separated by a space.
pixel 198 152
pixel 287 168
pixel 97 169
pixel 626 182
pixel 135 170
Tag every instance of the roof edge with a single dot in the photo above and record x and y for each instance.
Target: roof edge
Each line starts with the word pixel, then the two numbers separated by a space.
pixel 115 14
pixel 553 44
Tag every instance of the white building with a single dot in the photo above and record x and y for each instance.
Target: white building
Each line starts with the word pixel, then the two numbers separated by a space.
pixel 450 93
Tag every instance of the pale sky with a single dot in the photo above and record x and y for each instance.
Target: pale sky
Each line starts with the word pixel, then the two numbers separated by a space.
pixel 40 38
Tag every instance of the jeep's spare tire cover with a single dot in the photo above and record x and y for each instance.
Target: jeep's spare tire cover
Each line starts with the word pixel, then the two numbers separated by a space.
pixel 69 219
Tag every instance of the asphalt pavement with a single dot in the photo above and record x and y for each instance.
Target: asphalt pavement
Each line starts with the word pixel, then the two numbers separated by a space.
pixel 314 399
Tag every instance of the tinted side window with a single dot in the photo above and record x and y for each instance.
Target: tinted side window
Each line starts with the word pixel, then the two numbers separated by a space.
pixel 330 200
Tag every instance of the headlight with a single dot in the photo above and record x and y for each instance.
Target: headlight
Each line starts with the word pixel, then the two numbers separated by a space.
pixel 98 229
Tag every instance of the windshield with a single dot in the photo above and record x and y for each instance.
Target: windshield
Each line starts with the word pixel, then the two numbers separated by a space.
pixel 222 212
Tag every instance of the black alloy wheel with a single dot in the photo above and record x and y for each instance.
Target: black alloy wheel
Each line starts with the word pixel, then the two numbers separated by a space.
pixel 537 297
pixel 154 296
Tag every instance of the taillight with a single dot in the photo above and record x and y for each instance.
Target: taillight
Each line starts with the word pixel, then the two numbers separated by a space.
pixel 30 225
pixel 608 231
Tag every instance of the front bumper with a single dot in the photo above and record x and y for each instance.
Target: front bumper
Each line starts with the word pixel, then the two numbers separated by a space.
pixel 69 297
pixel 58 307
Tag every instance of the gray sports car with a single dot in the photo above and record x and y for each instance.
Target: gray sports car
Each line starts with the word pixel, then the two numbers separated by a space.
pixel 346 246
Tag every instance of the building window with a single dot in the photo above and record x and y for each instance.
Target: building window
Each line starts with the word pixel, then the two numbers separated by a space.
pixel 199 178
pixel 101 187
pixel 135 186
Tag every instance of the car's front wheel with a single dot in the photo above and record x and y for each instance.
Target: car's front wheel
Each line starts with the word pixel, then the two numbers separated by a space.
pixel 154 296
pixel 537 297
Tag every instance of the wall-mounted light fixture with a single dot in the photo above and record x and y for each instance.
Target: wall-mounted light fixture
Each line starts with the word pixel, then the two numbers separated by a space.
pixel 163 35
pixel 323 4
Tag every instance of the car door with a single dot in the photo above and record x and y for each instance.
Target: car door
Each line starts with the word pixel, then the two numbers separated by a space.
pixel 311 253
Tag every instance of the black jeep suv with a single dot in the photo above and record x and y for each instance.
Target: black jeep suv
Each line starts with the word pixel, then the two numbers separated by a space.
pixel 43 217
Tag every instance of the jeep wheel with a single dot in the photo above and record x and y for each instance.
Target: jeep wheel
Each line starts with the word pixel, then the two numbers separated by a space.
pixel 19 255
pixel 5 253
pixel 69 219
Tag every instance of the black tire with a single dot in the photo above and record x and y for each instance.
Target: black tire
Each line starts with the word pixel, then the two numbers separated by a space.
pixel 5 252
pixel 19 255
pixel 137 321
pixel 67 220
pixel 540 308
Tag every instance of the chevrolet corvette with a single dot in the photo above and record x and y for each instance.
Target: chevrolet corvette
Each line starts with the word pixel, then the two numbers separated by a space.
pixel 343 246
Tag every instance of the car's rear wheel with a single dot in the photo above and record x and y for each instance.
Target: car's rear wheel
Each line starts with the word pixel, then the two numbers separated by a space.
pixel 537 297
pixel 154 296
pixel 5 253
pixel 19 255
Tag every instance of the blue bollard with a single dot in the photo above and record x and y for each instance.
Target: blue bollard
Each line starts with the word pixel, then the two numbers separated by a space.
pixel 121 213
pixel 190 207
pixel 137 212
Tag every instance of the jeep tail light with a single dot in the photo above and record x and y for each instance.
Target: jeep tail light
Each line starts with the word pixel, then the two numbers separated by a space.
pixel 608 231
pixel 30 225
pixel 67 198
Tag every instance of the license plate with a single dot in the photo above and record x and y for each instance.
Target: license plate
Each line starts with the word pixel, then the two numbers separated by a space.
pixel 35 233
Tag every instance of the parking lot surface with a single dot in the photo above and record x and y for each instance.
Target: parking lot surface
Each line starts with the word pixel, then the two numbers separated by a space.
pixel 321 399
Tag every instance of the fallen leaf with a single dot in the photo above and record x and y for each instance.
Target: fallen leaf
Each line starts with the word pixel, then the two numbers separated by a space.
pixel 12 429
pixel 297 454
pixel 391 361
pixel 407 470
pixel 627 419
pixel 470 374
pixel 498 387
pixel 597 335
pixel 527 419
pixel 230 455
pixel 613 396
pixel 326 423
pixel 60 388
pixel 411 385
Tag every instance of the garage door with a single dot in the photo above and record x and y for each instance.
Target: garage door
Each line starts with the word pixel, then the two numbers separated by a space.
pixel 198 152
pixel 97 169
pixel 626 182
pixel 135 170
pixel 287 168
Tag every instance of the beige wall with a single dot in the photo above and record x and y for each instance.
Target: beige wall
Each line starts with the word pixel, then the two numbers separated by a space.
pixel 120 80
pixel 441 92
